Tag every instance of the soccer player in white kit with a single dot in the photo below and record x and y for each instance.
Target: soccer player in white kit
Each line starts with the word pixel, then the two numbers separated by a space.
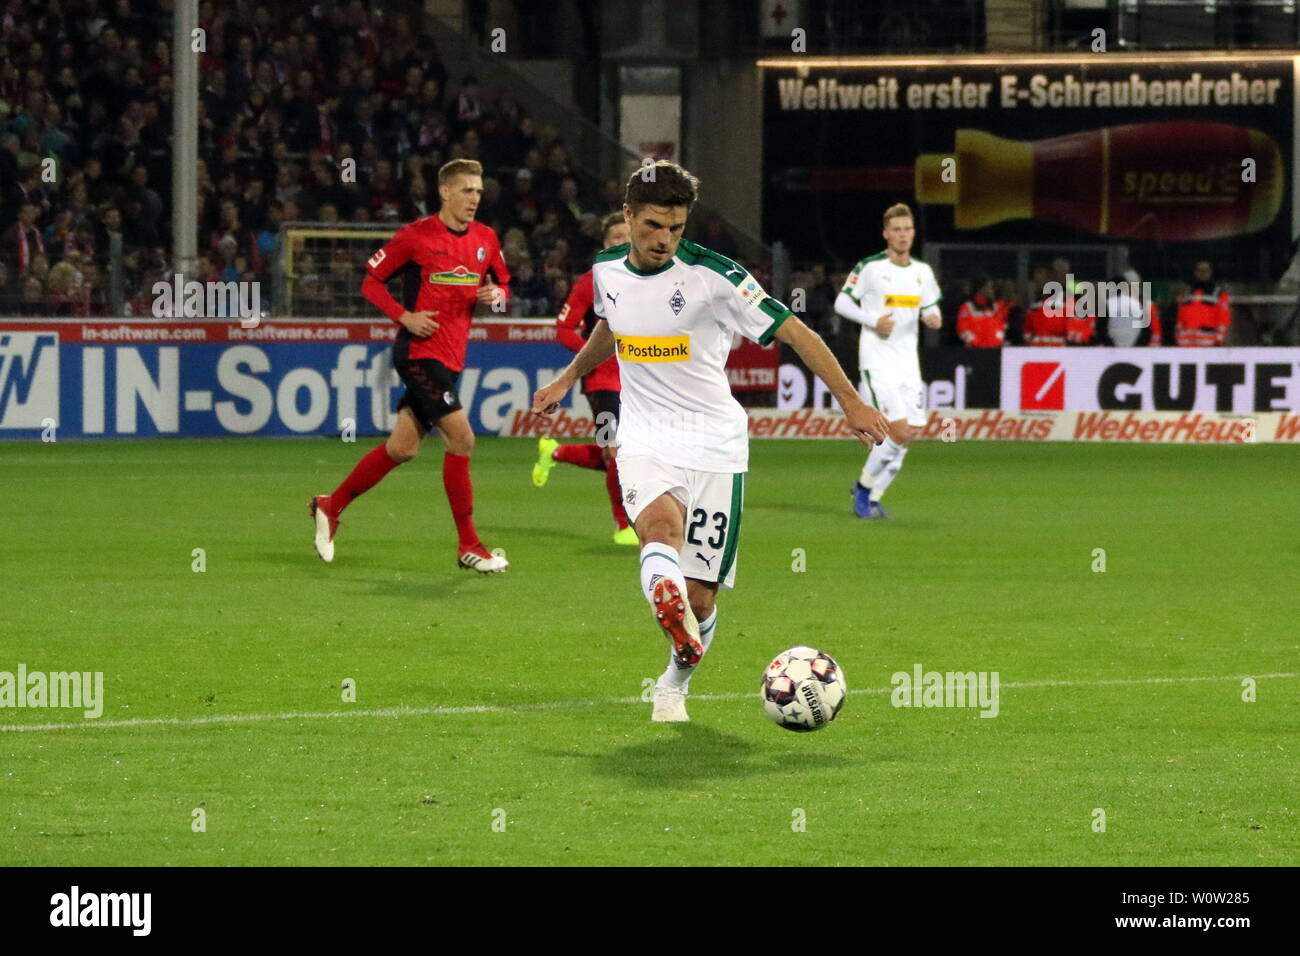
pixel 668 309
pixel 888 293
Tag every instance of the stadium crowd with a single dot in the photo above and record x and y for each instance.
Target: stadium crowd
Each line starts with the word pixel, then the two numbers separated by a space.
pixel 288 92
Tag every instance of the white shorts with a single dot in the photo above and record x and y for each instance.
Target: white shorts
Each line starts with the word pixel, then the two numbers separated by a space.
pixel 896 400
pixel 713 502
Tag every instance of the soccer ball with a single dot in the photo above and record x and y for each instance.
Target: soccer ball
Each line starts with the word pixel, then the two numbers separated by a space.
pixel 803 689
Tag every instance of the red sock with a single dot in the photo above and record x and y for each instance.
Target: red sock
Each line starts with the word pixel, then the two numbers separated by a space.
pixel 584 456
pixel 460 495
pixel 615 495
pixel 369 471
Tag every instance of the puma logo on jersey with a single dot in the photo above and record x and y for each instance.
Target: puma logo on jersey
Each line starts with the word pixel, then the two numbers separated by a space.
pixel 613 298
pixel 708 562
pixel 734 271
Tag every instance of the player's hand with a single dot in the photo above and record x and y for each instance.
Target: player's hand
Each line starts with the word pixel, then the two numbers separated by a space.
pixel 419 324
pixel 869 423
pixel 932 321
pixel 489 293
pixel 548 397
pixel 885 325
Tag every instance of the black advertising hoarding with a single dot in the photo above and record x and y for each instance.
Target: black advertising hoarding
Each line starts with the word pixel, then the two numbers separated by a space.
pixel 954 378
pixel 1174 157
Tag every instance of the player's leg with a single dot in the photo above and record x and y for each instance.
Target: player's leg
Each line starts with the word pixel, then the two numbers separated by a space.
pixel 605 407
pixel 708 560
pixel 550 453
pixel 903 406
pixel 624 533
pixel 402 445
pixel 655 494
pixel 456 431
pixel 882 466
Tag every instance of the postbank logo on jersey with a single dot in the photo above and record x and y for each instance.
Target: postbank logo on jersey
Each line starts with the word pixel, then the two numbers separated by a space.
pixel 457 276
pixel 902 301
pixel 652 348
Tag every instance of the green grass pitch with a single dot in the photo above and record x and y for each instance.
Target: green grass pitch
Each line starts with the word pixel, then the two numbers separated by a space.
pixel 497 719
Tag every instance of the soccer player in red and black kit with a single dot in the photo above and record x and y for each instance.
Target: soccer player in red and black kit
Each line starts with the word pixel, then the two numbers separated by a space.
pixel 601 387
pixel 460 264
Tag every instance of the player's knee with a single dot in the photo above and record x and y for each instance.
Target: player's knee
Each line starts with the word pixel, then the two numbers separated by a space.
pixel 702 605
pixel 402 450
pixel 663 532
pixel 461 444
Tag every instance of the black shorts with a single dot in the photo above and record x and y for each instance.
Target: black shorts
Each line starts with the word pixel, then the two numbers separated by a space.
pixel 430 386
pixel 603 401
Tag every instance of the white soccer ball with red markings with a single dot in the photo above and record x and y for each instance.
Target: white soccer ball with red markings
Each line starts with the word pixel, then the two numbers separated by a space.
pixel 803 689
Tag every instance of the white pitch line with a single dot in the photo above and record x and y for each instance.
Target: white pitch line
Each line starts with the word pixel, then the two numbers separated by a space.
pixel 548 705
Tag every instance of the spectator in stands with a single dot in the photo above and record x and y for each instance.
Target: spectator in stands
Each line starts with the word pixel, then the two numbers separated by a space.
pixel 33 301
pixel 524 207
pixel 559 294
pixel 64 295
pixel 717 238
pixel 23 239
pixel 144 208
pixel 233 228
pixel 982 318
pixel 1204 314
pixel 466 108
pixel 1062 273
pixel 417 204
pixel 1045 319
pixel 1125 322
pixel 39 268
pixel 528 290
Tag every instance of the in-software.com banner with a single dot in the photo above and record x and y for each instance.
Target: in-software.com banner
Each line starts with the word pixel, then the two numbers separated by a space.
pixel 146 378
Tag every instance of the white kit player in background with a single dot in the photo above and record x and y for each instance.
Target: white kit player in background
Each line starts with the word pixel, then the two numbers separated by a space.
pixel 888 294
pixel 668 309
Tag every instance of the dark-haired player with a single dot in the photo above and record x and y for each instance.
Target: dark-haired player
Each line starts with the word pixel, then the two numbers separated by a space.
pixel 668 310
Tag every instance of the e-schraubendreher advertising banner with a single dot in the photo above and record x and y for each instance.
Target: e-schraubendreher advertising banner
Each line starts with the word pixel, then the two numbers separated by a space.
pixel 1151 151
pixel 1240 380
pixel 145 378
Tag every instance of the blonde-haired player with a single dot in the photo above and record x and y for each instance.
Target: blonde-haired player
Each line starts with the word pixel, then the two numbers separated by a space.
pixel 890 294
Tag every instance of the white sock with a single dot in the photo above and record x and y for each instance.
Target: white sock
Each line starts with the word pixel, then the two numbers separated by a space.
pixel 881 457
pixel 678 677
pixel 658 560
pixel 888 473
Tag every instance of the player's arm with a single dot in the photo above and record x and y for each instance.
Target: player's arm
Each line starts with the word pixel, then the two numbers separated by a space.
pixel 599 347
pixel 868 422
pixel 494 290
pixel 379 269
pixel 569 322
pixel 930 313
pixel 854 304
